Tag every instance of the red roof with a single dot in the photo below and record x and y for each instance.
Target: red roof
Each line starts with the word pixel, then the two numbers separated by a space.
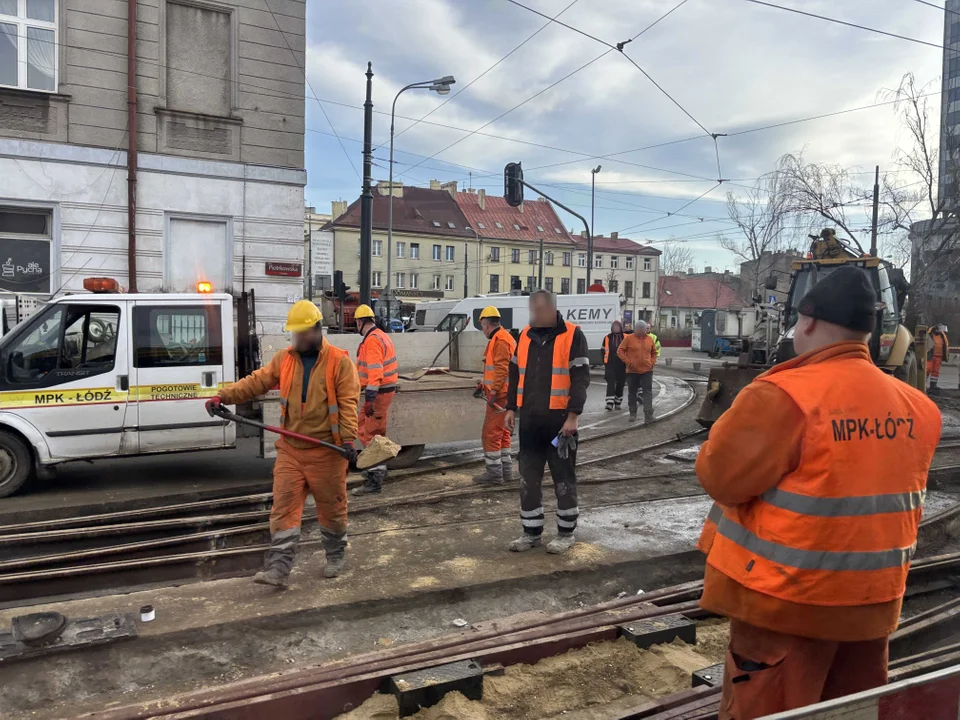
pixel 623 246
pixel 538 219
pixel 708 291
pixel 421 210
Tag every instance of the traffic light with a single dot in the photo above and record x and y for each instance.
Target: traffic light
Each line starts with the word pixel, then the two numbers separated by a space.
pixel 338 287
pixel 513 184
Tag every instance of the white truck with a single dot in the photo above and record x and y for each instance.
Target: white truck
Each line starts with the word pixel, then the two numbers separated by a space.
pixel 593 312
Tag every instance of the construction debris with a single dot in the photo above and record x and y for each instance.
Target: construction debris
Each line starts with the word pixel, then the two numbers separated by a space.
pixel 379 450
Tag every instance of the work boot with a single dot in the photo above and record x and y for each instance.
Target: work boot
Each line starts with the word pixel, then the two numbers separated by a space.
pixel 507 469
pixel 633 417
pixel 617 402
pixel 491 475
pixel 647 419
pixel 609 404
pixel 525 542
pixel 560 544
pixel 334 566
pixel 335 546
pixel 271 576
pixel 372 481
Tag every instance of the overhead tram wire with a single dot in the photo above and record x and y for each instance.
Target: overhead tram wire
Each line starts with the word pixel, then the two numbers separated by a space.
pixel 842 22
pixel 678 210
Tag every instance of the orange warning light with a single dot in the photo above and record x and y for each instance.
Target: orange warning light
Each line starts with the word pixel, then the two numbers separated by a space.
pixel 204 287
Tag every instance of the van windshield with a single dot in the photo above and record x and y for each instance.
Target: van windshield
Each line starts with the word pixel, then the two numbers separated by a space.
pixel 452 322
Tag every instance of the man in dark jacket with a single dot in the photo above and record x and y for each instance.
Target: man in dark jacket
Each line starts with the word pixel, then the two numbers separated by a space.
pixel 549 376
pixel 614 369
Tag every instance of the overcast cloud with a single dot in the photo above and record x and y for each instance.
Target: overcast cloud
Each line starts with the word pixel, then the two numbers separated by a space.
pixel 731 64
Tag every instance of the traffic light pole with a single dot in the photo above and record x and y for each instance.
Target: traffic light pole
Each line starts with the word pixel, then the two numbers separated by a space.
pixel 576 215
pixel 366 198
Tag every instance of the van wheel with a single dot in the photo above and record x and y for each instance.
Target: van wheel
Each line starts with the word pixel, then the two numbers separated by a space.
pixel 16 464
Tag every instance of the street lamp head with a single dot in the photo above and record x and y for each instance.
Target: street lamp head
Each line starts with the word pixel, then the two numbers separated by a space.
pixel 440 89
pixel 441 86
pixel 596 169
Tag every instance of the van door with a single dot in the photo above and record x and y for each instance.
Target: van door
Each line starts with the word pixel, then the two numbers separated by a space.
pixel 178 358
pixel 62 373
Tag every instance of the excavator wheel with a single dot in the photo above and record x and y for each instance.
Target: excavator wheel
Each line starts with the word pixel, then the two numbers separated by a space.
pixel 909 371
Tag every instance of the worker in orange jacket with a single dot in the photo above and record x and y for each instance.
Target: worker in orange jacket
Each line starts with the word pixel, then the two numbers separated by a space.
pixel 379 373
pixel 498 467
pixel 639 352
pixel 319 389
pixel 819 473
pixel 938 354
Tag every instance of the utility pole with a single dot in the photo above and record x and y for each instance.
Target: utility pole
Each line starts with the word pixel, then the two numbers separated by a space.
pixel 366 198
pixel 310 263
pixel 466 261
pixel 593 197
pixel 876 212
pixel 540 278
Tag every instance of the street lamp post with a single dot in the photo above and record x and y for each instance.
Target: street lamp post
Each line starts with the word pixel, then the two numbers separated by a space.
pixel 593 197
pixel 441 86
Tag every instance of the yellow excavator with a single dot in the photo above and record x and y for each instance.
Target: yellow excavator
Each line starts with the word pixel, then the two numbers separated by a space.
pixel 892 346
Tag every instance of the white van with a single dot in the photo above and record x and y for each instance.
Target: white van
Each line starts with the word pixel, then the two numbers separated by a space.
pixel 593 312
pixel 429 313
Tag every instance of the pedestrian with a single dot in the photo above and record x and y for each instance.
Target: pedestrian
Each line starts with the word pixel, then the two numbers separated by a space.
pixel 656 340
pixel 819 472
pixel 614 371
pixel 639 352
pixel 319 391
pixel 549 376
pixel 379 373
pixel 498 467
pixel 938 354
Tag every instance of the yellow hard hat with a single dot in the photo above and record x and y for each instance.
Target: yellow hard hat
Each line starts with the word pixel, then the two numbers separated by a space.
pixel 363 311
pixel 302 316
pixel 489 312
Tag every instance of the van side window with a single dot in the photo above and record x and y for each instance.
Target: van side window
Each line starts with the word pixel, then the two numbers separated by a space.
pixel 177 335
pixel 69 343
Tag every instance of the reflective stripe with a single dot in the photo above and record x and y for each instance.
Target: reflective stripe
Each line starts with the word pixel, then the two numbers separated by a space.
pixel 335 428
pixel 332 409
pixel 814 559
pixel 561 371
pixel 523 371
pixel 560 393
pixel 513 359
pixel 387 361
pixel 488 382
pixel 493 457
pixel 579 361
pixel 531 513
pixel 519 392
pixel 373 366
pixel 531 523
pixel 566 524
pixel 572 512
pixel 491 368
pixel 372 387
pixel 845 506
pixel 715 514
pixel 283 402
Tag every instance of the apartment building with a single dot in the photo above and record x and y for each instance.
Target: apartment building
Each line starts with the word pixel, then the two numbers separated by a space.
pixel 621 266
pixel 217 174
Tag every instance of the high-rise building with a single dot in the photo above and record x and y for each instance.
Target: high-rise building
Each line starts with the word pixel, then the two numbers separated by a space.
pixel 950 99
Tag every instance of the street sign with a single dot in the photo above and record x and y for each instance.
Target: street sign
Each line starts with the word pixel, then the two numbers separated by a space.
pixel 282 269
pixel 321 242
pixel 25 266
pixel 773 299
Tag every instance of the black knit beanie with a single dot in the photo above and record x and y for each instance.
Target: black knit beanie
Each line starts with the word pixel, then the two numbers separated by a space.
pixel 845 297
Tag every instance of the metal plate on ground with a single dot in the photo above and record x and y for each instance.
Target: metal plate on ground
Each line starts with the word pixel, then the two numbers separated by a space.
pixel 77 634
pixel 710 676
pixel 425 688
pixel 645 633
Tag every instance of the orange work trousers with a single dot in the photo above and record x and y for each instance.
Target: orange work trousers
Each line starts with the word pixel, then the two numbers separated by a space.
pixel 933 366
pixel 376 424
pixel 319 471
pixel 495 435
pixel 767 672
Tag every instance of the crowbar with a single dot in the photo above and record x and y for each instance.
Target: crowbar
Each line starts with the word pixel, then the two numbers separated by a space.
pixel 227 415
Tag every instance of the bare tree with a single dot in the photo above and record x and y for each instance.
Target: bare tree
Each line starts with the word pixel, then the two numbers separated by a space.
pixel 760 214
pixel 676 258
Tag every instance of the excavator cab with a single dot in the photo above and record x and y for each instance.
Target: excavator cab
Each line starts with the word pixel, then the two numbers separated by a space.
pixel 891 345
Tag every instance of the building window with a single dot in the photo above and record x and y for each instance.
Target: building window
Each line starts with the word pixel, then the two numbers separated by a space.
pixel 953 95
pixel 548 284
pixel 647 264
pixel 199 38
pixel 481 226
pixel 532 257
pixel 598 261
pixel 452 225
pixel 494 254
pixel 646 291
pixel 954 32
pixel 499 226
pixel 449 253
pixel 516 226
pixel 25 244
pixel 436 282
pixel 494 283
pixel 721 322
pixel 614 285
pixel 628 288
pixel 548 259
pixel 673 321
pixel 449 283
pixel 614 262
pixel 401 277
pixel 564 286
pixel 414 280
pixel 531 282
pixel 401 249
pixel 515 283
pixel 437 250
pixel 377 248
pixel 954 70
pixel 515 256
pixel 414 251
pixel 581 286
pixel 567 259
pixel 28 44
pixel 629 262
pixel 375 279
pixel 539 228
pixel 581 259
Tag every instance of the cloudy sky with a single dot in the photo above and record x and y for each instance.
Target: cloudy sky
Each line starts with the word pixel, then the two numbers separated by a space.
pixel 731 64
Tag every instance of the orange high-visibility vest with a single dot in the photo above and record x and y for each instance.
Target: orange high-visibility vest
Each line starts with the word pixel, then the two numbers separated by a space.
pixel 489 368
pixel 560 383
pixel 377 362
pixel 840 530
pixel 606 349
pixel 289 367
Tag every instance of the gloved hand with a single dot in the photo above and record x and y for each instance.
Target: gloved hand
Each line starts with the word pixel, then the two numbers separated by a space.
pixel 213 404
pixel 478 391
pixel 565 445
pixel 350 452
pixel 368 408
